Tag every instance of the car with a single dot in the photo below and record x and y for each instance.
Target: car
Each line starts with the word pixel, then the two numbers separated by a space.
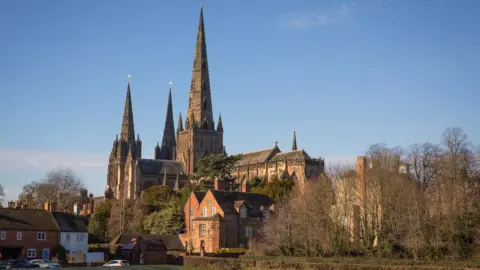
pixel 12 264
pixel 45 263
pixel 117 263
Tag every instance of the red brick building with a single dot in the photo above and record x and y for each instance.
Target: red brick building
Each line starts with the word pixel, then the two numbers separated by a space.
pixel 27 233
pixel 223 219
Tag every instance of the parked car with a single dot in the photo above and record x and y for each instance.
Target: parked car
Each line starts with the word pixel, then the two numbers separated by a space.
pixel 45 263
pixel 117 263
pixel 12 264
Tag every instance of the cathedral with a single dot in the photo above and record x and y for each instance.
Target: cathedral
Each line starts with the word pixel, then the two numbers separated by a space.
pixel 178 154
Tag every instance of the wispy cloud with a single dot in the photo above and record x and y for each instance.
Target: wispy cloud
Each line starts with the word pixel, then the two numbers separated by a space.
pixel 336 16
pixel 36 160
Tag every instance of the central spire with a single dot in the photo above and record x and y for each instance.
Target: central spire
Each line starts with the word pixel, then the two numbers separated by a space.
pixel 128 131
pixel 168 141
pixel 200 100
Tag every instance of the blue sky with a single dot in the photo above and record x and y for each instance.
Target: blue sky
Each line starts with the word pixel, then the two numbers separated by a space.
pixel 343 74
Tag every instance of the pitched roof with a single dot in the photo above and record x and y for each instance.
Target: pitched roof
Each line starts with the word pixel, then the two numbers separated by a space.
pixel 258 156
pixel 172 242
pixel 296 154
pixel 226 199
pixel 69 222
pixel 158 166
pixel 199 195
pixel 27 220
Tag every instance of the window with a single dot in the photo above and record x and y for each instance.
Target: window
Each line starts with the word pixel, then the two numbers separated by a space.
pixel 41 236
pixel 266 214
pixel 249 231
pixel 19 235
pixel 79 237
pixel 3 235
pixel 243 212
pixel 191 212
pixel 209 202
pixel 31 253
pixel 214 210
pixel 203 229
pixel 204 212
pixel 241 245
pixel 68 237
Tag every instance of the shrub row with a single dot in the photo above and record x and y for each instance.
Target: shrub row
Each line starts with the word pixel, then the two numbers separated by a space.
pixel 234 264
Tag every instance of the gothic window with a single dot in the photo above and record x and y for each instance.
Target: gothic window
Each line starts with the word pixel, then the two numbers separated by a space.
pixel 204 103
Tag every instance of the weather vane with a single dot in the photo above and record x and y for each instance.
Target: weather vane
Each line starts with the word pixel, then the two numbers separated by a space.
pixel 129 77
pixel 170 82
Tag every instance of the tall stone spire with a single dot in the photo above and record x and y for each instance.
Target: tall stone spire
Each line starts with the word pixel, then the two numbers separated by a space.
pixel 128 131
pixel 200 100
pixel 294 144
pixel 168 141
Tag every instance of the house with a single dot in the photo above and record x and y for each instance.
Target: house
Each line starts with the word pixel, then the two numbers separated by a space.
pixel 224 219
pixel 27 233
pixel 73 235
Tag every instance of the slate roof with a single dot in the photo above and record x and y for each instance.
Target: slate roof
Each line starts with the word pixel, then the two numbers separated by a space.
pixel 199 195
pixel 70 223
pixel 258 156
pixel 172 242
pixel 158 166
pixel 296 154
pixel 27 220
pixel 227 200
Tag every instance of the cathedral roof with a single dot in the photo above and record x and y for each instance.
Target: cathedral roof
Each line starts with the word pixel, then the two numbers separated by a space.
pixel 258 156
pixel 297 154
pixel 158 166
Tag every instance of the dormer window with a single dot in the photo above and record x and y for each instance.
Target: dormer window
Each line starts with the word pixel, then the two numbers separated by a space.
pixel 243 212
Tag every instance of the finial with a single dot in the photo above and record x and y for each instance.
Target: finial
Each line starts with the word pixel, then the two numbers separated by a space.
pixel 276 143
pixel 170 83
pixel 116 137
pixel 201 3
pixel 128 76
pixel 158 145
pixel 138 136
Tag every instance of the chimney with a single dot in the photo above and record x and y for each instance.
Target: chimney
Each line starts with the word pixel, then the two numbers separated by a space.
pixel 53 207
pixel 91 203
pixel 218 185
pixel 76 209
pixel 47 206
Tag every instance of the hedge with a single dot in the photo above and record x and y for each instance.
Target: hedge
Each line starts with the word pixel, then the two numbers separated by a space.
pixel 237 264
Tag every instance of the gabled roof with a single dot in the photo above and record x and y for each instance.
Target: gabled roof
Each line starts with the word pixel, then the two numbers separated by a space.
pixel 27 220
pixel 70 223
pixel 258 156
pixel 297 154
pixel 199 195
pixel 158 166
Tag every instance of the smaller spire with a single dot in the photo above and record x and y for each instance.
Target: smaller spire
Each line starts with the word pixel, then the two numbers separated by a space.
pixel 220 124
pixel 116 138
pixel 294 144
pixel 276 143
pixel 138 136
pixel 180 123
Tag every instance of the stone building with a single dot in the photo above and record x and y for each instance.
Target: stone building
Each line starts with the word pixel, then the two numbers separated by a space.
pixel 178 154
pixel 224 219
pixel 272 162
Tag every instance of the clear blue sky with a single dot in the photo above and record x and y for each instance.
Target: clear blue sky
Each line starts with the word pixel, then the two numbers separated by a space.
pixel 343 74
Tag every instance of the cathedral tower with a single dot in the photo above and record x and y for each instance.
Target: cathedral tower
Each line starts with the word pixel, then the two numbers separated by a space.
pixel 122 147
pixel 199 137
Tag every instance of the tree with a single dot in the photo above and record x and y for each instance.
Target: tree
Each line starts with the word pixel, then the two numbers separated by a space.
pixel 2 193
pixel 168 220
pixel 62 186
pixel 99 220
pixel 277 189
pixel 159 196
pixel 218 166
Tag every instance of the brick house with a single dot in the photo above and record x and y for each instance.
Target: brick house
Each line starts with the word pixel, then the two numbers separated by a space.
pixel 223 219
pixel 27 233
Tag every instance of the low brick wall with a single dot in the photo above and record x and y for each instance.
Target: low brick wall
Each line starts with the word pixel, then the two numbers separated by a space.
pixel 237 264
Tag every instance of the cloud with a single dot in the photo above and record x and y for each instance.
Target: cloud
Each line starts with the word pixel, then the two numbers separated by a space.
pixel 37 160
pixel 337 16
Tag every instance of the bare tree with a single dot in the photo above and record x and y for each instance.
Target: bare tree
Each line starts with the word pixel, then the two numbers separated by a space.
pixel 423 160
pixel 2 193
pixel 62 186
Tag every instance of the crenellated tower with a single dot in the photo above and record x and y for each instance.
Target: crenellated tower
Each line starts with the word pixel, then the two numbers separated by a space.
pixel 199 137
pixel 123 147
pixel 168 147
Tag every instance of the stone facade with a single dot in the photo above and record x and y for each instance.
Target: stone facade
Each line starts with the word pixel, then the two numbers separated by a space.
pixel 223 219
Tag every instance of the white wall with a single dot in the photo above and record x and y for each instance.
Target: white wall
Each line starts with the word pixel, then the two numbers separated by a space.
pixel 75 243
